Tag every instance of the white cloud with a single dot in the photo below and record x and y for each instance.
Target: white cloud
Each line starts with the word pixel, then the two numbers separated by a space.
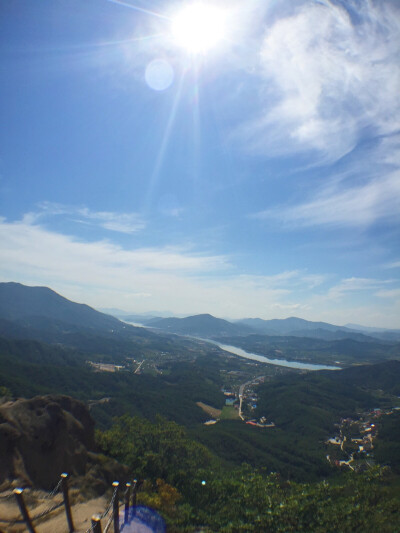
pixel 290 307
pixel 103 274
pixel 394 264
pixel 118 222
pixel 341 204
pixel 357 284
pixel 330 74
pixel 107 275
pixel 27 244
pixel 392 294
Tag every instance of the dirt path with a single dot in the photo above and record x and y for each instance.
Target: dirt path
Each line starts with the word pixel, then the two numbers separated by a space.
pixel 212 411
pixel 81 516
pixel 56 521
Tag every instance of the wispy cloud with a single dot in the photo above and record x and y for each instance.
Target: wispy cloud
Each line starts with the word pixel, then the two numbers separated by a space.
pixel 291 308
pixel 331 75
pixel 118 222
pixel 393 264
pixel 28 243
pixel 342 204
pixel 104 274
pixel 391 294
pixel 357 284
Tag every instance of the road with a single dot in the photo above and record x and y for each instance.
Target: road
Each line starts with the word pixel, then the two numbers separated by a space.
pixel 138 368
pixel 241 389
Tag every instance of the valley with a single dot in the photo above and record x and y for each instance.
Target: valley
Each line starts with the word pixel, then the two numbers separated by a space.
pixel 227 412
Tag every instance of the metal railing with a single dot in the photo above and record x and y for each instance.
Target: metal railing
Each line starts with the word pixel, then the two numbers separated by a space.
pixel 113 505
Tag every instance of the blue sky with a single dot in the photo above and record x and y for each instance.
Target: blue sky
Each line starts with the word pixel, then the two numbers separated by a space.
pixel 258 177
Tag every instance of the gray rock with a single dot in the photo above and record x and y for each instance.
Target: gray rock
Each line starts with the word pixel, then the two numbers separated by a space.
pixel 44 436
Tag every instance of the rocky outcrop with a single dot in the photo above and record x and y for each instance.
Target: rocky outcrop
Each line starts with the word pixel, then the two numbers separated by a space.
pixel 44 436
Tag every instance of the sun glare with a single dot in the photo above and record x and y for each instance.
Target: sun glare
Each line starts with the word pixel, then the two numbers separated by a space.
pixel 198 27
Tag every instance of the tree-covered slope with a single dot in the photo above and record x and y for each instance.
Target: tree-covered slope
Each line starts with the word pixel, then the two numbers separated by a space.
pixel 29 368
pixel 305 409
pixel 193 490
pixel 200 326
pixel 20 302
pixel 342 352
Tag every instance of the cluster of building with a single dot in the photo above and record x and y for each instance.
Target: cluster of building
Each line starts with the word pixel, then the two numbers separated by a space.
pixel 355 439
pixel 250 398
pixel 105 367
pixel 110 367
pixel 262 423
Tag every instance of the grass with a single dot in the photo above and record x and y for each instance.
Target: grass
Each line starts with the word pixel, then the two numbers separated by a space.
pixel 229 413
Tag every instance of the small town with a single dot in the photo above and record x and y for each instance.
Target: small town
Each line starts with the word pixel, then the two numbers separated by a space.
pixel 239 405
pixel 352 445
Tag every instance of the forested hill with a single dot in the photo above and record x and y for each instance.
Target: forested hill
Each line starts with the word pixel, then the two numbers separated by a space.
pixel 342 352
pixel 200 325
pixel 315 401
pixel 22 303
pixel 384 376
pixel 39 313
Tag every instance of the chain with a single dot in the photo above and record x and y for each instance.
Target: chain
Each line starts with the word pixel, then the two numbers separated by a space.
pixel 106 512
pixel 110 504
pixel 54 491
pixel 40 515
pixel 108 524
pixel 90 529
pixel 10 522
pixel 57 505
pixel 47 511
pixel 49 495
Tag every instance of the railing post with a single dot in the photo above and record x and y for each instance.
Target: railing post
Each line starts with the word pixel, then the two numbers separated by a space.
pixel 116 507
pixel 64 485
pixel 127 502
pixel 134 496
pixel 23 509
pixel 96 523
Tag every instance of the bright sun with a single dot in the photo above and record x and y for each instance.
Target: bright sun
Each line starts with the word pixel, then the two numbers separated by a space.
pixel 198 27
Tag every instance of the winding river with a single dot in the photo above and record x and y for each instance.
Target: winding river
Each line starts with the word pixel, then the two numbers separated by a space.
pixel 279 362
pixel 248 355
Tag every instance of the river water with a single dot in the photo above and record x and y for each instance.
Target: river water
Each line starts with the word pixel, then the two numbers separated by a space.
pixel 254 356
pixel 279 362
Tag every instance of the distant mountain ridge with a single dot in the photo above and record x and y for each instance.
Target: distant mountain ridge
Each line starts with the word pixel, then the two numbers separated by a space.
pixel 39 308
pixel 298 327
pixel 39 313
pixel 378 333
pixel 22 303
pixel 204 325
pixel 208 326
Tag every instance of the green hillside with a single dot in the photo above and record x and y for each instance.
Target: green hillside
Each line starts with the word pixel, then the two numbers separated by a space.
pixel 193 490
pixel 343 352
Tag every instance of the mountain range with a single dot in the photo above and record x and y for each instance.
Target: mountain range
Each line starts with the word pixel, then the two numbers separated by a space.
pixel 25 309
pixel 205 325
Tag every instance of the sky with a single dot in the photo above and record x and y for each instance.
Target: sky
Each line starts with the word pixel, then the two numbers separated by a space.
pixel 233 157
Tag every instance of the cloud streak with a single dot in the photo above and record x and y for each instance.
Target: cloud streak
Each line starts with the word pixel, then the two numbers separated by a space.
pixel 339 204
pixel 357 284
pixel 330 75
pixel 394 264
pixel 104 274
pixel 118 222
